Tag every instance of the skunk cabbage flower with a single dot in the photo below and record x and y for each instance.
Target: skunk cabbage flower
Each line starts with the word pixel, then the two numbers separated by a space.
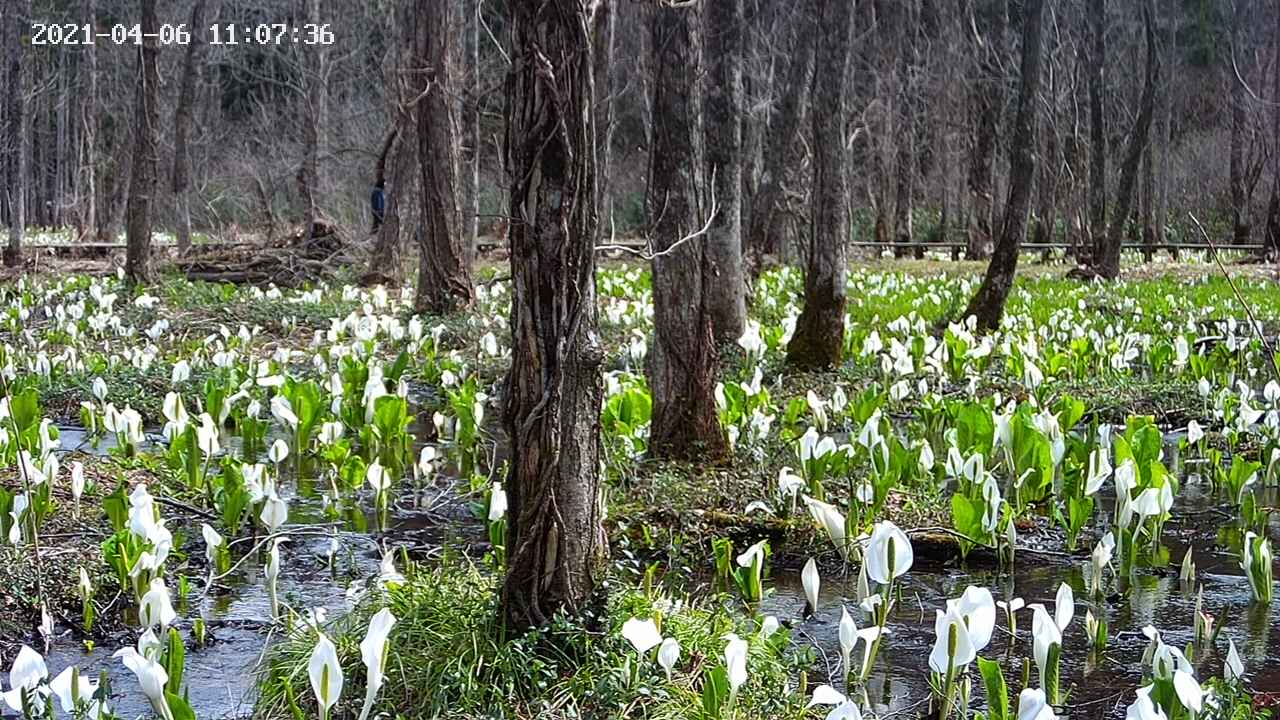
pixel 887 539
pixel 373 651
pixel 326 674
pixel 668 655
pixel 642 634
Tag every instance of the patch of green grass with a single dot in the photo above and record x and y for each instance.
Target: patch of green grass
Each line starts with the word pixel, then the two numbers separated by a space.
pixel 450 657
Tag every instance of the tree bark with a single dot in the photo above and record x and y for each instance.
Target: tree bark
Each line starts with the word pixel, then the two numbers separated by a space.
pixel 386 264
pixel 182 127
pixel 20 162
pixel 818 340
pixel 142 179
pixel 1273 207
pixel 89 119
pixel 556 542
pixel 783 141
pixel 727 296
pixel 907 160
pixel 1097 125
pixel 444 277
pixel 988 303
pixel 987 99
pixel 313 107
pixel 1239 196
pixel 603 25
pixel 683 365
pixel 1108 260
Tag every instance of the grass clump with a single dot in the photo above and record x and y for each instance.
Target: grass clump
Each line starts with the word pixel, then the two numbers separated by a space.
pixel 450 657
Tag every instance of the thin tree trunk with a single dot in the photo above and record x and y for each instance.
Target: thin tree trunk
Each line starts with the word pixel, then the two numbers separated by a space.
pixel 1146 203
pixel 472 110
pixel 1239 196
pixel 386 264
pixel 905 137
pixel 987 99
pixel 312 107
pixel 142 178
pixel 1108 265
pixel 556 542
pixel 818 340
pixel 1273 207
pixel 784 132
pixel 182 127
pixel 20 163
pixel 603 24
pixel 988 303
pixel 1166 132
pixel 726 294
pixel 683 365
pixel 444 277
pixel 1097 125
pixel 89 119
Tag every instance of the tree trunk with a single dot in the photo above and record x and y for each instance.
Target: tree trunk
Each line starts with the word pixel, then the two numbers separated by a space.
pixel 556 542
pixel 444 277
pixel 142 178
pixel 603 25
pixel 1273 207
pixel 473 136
pixel 182 126
pixel 987 99
pixel 683 365
pixel 312 107
pixel 905 138
pixel 20 160
pixel 89 119
pixel 988 303
pixel 783 136
pixel 1108 261
pixel 1166 133
pixel 1097 125
pixel 727 295
pixel 386 264
pixel 818 340
pixel 1239 196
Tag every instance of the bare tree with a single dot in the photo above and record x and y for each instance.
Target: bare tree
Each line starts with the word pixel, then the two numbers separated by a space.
pixel 988 101
pixel 314 111
pixel 444 278
pixel 1107 262
pixel 556 543
pixel 16 97
pixel 783 143
pixel 1237 181
pixel 142 180
pixel 988 303
pixel 603 27
pixel 1097 10
pixel 1273 207
pixel 182 126
pixel 818 340
pixel 726 298
pixel 683 364
pixel 908 157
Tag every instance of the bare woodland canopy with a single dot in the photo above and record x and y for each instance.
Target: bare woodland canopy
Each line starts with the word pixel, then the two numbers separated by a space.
pixel 928 119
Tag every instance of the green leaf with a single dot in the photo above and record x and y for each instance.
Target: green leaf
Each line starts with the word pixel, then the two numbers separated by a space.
pixel 997 690
pixel 715 690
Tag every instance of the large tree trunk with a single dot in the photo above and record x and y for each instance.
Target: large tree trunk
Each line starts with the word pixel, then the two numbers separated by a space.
pixel 987 100
pixel 726 296
pixel 556 543
pixel 313 107
pixel 603 24
pixel 1239 196
pixel 473 133
pixel 1273 207
pixel 683 365
pixel 142 178
pixel 783 141
pixel 20 146
pixel 386 264
pixel 1108 261
pixel 1097 124
pixel 818 340
pixel 182 127
pixel 988 303
pixel 444 277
